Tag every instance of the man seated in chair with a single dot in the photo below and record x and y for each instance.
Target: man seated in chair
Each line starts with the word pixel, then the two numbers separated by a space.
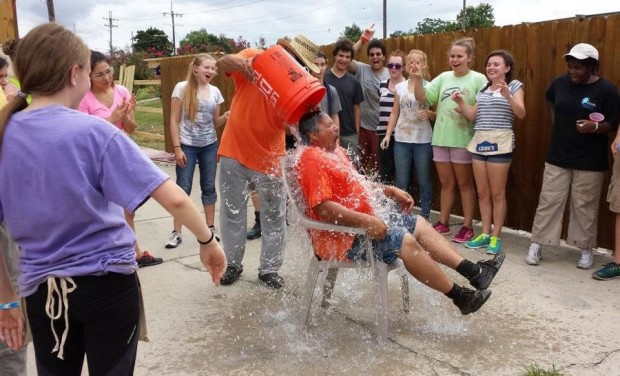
pixel 336 193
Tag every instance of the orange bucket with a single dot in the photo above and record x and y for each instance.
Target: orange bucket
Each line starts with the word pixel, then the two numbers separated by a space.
pixel 286 84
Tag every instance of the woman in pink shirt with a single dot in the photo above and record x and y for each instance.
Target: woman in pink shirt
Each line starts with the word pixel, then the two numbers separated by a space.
pixel 114 103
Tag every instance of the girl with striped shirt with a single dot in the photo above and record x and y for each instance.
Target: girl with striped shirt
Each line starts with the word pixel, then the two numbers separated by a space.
pixel 497 105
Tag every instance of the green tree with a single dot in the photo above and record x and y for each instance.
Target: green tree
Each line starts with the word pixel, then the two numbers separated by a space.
pixel 434 25
pixel 476 17
pixel 471 17
pixel 400 33
pixel 152 40
pixel 352 33
pixel 202 41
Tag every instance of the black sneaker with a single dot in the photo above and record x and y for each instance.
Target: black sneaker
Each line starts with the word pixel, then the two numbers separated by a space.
pixel 469 301
pixel 217 237
pixel 231 275
pixel 148 260
pixel 272 280
pixel 254 232
pixel 488 270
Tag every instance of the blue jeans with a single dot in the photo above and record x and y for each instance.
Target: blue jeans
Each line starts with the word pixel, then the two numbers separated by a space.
pixel 207 165
pixel 420 156
pixel 388 248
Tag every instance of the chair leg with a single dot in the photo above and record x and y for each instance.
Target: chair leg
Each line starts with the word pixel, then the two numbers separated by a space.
pixel 328 287
pixel 312 276
pixel 381 324
pixel 404 284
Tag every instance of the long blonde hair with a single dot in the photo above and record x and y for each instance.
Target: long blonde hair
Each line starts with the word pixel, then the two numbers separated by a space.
pixel 43 63
pixel 422 57
pixel 190 99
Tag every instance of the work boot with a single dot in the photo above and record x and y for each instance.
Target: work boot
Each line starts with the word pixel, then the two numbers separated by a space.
pixel 488 270
pixel 254 232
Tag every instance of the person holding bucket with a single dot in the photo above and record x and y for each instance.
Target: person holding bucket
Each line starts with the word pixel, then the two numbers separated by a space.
pixel 251 147
pixel 497 105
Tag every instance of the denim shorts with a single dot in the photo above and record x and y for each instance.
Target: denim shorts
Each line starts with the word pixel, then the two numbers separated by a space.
pixel 497 158
pixel 388 248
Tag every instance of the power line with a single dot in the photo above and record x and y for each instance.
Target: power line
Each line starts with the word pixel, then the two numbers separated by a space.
pixel 110 25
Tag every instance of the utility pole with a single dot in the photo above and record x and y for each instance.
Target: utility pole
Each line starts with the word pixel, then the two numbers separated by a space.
pixel 110 25
pixel 172 15
pixel 51 13
pixel 463 18
pixel 384 19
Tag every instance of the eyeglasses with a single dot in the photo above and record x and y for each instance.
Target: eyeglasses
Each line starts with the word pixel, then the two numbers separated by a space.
pixel 394 66
pixel 100 76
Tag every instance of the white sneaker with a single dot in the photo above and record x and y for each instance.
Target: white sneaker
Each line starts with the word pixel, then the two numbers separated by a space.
pixel 174 240
pixel 534 255
pixel 586 260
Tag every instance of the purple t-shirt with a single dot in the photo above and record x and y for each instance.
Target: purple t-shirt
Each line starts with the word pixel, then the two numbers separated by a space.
pixel 65 178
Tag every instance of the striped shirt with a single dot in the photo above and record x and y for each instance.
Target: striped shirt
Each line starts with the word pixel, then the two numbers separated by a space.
pixel 386 101
pixel 494 111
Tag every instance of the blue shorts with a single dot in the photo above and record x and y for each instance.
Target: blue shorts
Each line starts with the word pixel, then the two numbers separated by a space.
pixel 388 248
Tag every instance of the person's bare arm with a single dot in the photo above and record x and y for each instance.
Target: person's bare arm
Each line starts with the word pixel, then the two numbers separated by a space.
pixel 177 202
pixel 357 117
pixel 235 63
pixel 332 212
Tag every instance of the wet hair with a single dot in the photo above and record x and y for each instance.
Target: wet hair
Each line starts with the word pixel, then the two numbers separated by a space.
pixel 190 100
pixel 423 59
pixel 508 60
pixel 3 62
pixel 9 48
pixel 97 57
pixel 343 45
pixel 467 43
pixel 376 43
pixel 590 63
pixel 43 61
pixel 308 124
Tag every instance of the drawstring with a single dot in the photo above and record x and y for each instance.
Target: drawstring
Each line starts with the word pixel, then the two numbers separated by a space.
pixel 61 295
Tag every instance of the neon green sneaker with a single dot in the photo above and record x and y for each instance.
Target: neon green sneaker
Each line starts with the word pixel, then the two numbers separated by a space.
pixel 495 245
pixel 479 241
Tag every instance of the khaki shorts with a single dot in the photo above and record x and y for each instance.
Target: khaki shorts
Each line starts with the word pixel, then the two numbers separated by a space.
pixel 613 194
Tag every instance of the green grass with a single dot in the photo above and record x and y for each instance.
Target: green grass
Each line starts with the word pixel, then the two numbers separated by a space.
pixel 150 123
pixel 537 371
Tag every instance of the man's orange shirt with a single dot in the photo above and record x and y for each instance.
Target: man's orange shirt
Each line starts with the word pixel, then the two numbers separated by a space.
pixel 254 132
pixel 330 176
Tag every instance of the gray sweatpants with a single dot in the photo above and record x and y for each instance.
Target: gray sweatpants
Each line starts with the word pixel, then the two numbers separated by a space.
pixel 234 179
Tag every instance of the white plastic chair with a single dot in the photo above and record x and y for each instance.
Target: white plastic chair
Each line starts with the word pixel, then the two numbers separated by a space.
pixel 379 269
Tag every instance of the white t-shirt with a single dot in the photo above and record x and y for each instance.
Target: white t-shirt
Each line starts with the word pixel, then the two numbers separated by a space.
pixel 408 128
pixel 201 131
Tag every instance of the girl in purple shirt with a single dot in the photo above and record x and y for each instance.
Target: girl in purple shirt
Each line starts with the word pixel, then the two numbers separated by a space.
pixel 64 182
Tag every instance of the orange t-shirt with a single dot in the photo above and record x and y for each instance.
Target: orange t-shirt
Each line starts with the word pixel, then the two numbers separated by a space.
pixel 330 176
pixel 254 132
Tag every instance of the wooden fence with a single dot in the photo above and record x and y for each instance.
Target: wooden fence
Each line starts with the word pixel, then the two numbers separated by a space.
pixel 8 20
pixel 538 49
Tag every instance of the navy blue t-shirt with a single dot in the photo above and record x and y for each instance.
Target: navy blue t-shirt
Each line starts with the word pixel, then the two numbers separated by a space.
pixel 349 92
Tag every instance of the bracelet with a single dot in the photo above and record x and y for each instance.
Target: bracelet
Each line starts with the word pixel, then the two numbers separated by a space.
pixel 174 147
pixel 208 241
pixel 10 305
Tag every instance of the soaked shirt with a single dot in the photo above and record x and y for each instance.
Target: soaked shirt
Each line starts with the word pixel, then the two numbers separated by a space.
pixel 330 176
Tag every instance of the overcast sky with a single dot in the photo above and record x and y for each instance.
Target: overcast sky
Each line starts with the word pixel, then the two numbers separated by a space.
pixel 320 20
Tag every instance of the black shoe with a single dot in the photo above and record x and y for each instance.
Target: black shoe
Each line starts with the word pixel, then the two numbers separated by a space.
pixel 272 280
pixel 488 270
pixel 148 260
pixel 469 301
pixel 254 232
pixel 231 275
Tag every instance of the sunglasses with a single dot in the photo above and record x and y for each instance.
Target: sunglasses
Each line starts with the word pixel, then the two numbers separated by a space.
pixel 394 66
